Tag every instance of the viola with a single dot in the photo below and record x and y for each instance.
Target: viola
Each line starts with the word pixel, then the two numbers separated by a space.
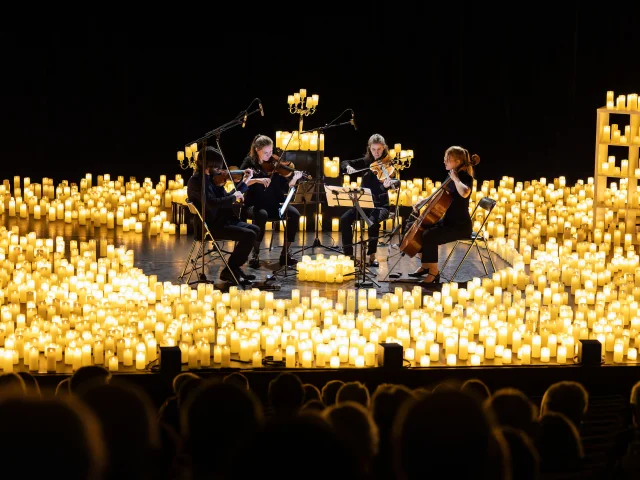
pixel 383 169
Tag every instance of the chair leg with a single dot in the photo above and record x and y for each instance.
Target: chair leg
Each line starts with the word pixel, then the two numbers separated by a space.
pixel 194 262
pixel 186 264
pixel 226 264
pixel 486 272
pixel 463 259
pixel 449 256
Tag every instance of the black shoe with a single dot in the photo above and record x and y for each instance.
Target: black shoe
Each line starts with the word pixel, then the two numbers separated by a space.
pixel 420 273
pixel 290 261
pixel 227 276
pixel 374 263
pixel 435 280
pixel 239 273
pixel 254 262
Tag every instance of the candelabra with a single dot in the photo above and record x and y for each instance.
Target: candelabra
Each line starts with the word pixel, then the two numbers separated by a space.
pixel 401 158
pixel 191 154
pixel 301 104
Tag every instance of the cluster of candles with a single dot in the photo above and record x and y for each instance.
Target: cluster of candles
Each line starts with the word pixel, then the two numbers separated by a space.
pixel 292 141
pixel 611 134
pixel 85 303
pixel 622 102
pixel 93 307
pixel 332 167
pixel 110 203
pixel 332 269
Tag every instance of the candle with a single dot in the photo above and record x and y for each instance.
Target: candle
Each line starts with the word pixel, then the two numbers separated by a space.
pixel 562 354
pixel 141 360
pixel 113 364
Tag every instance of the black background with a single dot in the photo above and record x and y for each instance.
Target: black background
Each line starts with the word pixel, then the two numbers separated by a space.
pixel 120 92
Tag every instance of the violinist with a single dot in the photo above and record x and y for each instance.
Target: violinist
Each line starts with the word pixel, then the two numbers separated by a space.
pixel 222 222
pixel 267 191
pixel 456 223
pixel 376 160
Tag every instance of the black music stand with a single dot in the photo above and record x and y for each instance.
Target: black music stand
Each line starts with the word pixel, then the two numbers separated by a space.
pixel 355 198
pixel 304 195
pixel 282 213
pixel 318 181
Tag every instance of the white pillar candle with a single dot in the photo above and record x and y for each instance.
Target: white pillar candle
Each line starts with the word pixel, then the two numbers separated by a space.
pixel 51 359
pixel 544 354
pixel 34 357
pixel 141 360
pixel 562 354
pixel 291 356
pixel 113 364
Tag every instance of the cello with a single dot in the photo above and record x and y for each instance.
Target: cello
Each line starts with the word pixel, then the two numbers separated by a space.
pixel 434 209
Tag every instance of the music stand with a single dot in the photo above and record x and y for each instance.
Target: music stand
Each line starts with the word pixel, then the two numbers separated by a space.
pixel 355 198
pixel 282 213
pixel 304 195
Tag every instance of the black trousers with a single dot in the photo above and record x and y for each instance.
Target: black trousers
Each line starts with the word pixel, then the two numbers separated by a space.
pixel 261 216
pixel 376 215
pixel 439 234
pixel 244 234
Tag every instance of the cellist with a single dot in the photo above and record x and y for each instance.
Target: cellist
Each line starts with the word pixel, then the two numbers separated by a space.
pixel 456 224
pixel 377 154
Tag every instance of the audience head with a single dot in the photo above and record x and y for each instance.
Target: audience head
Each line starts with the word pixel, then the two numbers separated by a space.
pixel 62 388
pixel 312 406
pixel 567 397
pixel 330 390
pixel 218 421
pixel 635 404
pixel 558 443
pixel 286 394
pixel 525 460
pixel 311 392
pixel 355 427
pixel 511 407
pixel 12 384
pixel 313 450
pixel 31 384
pixel 127 417
pixel 88 375
pixel 432 432
pixel 65 431
pixel 476 388
pixel 179 379
pixel 354 392
pixel 238 379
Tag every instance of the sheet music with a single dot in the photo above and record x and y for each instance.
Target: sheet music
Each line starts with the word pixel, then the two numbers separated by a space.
pixel 342 197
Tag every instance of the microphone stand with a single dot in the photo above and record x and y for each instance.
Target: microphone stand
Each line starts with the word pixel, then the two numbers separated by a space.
pixel 319 179
pixel 240 119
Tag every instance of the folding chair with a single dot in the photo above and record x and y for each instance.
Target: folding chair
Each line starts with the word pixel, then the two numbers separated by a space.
pixel 486 205
pixel 191 264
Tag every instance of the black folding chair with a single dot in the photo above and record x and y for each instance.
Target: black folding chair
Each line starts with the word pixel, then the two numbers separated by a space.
pixel 484 207
pixel 198 251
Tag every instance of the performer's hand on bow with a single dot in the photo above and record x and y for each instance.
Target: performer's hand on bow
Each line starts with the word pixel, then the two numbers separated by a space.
pixel 390 183
pixel 239 196
pixel 350 169
pixel 296 176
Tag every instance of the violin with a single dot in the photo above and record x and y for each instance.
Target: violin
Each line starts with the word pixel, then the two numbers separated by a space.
pixel 222 176
pixel 283 167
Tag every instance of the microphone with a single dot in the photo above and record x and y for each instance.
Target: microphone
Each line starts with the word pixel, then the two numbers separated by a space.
pixel 353 120
pixel 261 109
pixel 244 122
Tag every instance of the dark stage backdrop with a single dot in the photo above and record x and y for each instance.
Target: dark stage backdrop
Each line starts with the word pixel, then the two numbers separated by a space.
pixel 519 84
